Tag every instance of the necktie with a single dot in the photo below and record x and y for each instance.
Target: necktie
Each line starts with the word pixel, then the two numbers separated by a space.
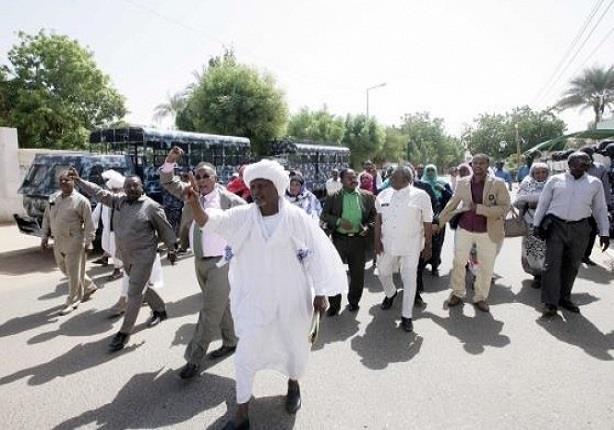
pixel 197 238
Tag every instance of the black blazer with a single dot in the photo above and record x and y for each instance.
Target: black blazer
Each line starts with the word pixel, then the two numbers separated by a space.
pixel 333 207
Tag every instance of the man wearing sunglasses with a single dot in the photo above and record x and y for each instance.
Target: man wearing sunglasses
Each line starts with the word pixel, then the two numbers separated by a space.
pixel 208 249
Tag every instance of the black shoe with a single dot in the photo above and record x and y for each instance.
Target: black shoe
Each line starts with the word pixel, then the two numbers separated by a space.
pixel 119 341
pixel 332 311
pixel 537 282
pixel 156 318
pixel 189 371
pixel 353 308
pixel 102 260
pixel 230 425
pixel 387 303
pixel 570 306
pixel 418 301
pixel 588 261
pixel 435 272
pixel 293 399
pixel 222 351
pixel 407 324
pixel 549 310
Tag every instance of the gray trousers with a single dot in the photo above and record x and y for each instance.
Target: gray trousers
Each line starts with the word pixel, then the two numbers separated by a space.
pixel 72 266
pixel 565 246
pixel 138 275
pixel 215 314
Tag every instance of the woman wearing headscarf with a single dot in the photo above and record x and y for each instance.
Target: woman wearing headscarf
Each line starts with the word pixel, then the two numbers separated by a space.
pixel 366 182
pixel 298 195
pixel 533 248
pixel 443 193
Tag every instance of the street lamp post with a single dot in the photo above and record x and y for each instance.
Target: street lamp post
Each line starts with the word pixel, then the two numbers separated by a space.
pixel 383 84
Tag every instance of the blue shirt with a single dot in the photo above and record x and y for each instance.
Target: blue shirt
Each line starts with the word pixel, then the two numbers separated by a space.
pixel 523 172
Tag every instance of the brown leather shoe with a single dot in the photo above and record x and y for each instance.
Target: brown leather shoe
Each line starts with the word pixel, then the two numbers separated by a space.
pixel 482 305
pixel 454 301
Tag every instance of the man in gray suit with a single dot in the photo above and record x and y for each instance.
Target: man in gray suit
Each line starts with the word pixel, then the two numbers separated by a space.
pixel 212 277
pixel 139 224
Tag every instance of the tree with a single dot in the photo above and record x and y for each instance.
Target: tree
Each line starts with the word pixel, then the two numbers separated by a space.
pixel 320 126
pixel 56 93
pixel 394 147
pixel 487 131
pixel 235 99
pixel 363 136
pixel 428 142
pixel 174 104
pixel 593 89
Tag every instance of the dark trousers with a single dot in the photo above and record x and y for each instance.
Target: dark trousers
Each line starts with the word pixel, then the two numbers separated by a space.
pixel 565 245
pixel 591 238
pixel 352 250
pixel 435 260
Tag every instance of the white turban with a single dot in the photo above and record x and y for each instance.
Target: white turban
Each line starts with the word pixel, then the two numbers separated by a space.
pixel 113 179
pixel 269 170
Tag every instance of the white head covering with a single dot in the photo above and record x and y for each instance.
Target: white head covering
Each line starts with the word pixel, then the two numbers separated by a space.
pixel 269 170
pixel 113 179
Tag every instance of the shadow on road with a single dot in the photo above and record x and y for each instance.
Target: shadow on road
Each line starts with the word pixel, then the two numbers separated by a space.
pixel 475 333
pixel 264 413
pixel 84 323
pixel 384 342
pixel 336 329
pixel 79 358
pixel 157 399
pixel 190 305
pixel 183 335
pixel 576 329
pixel 25 261
pixel 596 274
pixel 29 322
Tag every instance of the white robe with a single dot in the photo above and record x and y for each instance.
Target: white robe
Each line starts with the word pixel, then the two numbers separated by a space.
pixel 107 240
pixel 272 284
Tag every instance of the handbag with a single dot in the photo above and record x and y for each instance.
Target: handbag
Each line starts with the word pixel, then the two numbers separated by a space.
pixel 516 225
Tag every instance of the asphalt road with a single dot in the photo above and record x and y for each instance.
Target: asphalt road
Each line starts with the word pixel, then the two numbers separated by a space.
pixel 461 369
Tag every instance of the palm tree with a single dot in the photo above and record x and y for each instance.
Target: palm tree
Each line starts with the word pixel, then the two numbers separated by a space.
pixel 593 89
pixel 174 103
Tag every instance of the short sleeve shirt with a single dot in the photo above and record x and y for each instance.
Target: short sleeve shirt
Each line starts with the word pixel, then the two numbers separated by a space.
pixel 403 214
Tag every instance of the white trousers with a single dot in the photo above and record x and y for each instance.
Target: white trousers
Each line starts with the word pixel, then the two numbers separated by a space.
pixel 388 264
pixel 487 253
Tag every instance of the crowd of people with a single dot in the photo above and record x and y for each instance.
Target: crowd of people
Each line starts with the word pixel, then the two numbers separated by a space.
pixel 269 255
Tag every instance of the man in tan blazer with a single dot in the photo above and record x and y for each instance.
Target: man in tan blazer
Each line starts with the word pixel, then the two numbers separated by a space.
pixel 481 203
pixel 68 218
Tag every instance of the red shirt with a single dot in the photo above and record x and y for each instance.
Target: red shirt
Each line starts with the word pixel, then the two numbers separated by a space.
pixel 470 220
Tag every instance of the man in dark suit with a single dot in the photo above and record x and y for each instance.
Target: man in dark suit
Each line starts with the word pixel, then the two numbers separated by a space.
pixel 349 215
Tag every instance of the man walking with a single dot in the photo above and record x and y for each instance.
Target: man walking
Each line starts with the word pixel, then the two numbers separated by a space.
pixel 350 214
pixel 562 219
pixel 402 232
pixel 484 201
pixel 68 218
pixel 280 259
pixel 208 250
pixel 139 224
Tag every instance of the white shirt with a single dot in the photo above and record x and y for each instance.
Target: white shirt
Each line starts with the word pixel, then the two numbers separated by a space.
pixel 403 214
pixel 213 245
pixel 333 185
pixel 573 199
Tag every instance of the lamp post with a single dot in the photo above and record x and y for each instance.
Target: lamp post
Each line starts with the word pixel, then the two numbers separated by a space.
pixel 383 84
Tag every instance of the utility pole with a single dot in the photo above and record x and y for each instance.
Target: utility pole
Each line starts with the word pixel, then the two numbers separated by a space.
pixel 383 84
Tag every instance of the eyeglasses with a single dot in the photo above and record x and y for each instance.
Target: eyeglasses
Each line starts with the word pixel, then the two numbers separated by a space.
pixel 199 177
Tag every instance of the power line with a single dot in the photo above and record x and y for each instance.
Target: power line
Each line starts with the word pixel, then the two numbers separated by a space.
pixel 571 46
pixel 581 46
pixel 588 57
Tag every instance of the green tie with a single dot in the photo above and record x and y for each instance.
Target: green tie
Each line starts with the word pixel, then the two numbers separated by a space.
pixel 197 241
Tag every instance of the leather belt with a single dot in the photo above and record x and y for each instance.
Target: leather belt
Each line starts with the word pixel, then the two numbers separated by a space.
pixel 346 235
pixel 209 258
pixel 569 222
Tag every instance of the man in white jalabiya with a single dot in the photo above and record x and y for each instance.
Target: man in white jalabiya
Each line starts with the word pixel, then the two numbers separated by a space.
pixel 282 268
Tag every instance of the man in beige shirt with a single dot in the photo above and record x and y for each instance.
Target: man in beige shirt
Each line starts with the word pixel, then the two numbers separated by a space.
pixel 68 219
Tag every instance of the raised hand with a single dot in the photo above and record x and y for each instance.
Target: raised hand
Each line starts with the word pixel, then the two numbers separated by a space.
pixel 174 154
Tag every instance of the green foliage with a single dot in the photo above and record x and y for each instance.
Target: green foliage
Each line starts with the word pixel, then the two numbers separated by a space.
pixel 55 92
pixel 235 99
pixel 488 130
pixel 364 137
pixel 319 126
pixel 593 89
pixel 426 141
pixel 394 147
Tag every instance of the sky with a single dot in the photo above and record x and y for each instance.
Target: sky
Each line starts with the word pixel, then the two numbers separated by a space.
pixel 455 59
